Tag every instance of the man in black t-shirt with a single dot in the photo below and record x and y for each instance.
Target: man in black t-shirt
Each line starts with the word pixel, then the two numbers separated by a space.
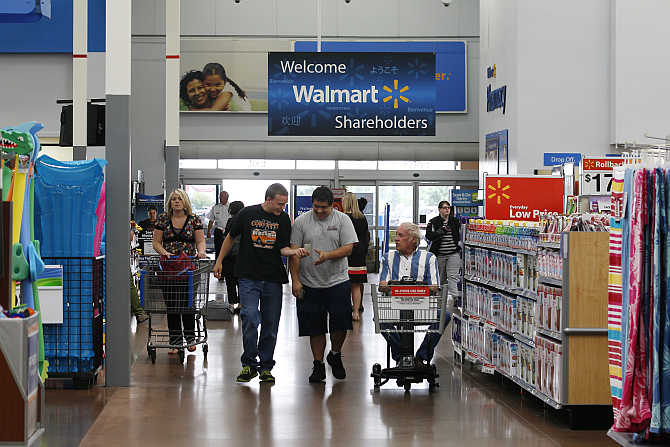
pixel 265 232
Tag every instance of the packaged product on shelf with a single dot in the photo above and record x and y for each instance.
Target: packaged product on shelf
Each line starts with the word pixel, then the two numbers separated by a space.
pixel 521 270
pixel 558 365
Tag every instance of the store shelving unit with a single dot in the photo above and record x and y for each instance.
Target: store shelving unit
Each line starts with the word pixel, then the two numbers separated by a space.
pixel 584 377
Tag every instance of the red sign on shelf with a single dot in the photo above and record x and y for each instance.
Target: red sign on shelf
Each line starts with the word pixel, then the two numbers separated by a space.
pixel 523 198
pixel 601 164
pixel 410 291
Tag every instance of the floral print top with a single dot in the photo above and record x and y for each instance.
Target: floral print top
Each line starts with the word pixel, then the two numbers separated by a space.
pixel 176 240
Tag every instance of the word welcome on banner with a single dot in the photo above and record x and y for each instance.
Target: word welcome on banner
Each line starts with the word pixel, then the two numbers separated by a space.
pixel 333 94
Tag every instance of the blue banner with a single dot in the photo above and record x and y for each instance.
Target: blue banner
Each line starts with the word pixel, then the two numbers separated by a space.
pixel 558 158
pixel 51 35
pixel 451 74
pixel 354 94
pixel 303 204
pixel 465 197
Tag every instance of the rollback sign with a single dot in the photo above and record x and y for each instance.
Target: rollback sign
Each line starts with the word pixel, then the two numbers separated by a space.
pixel 523 198
pixel 332 94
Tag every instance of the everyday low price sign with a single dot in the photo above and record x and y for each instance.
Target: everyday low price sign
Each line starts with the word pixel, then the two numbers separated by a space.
pixel 523 198
pixel 354 94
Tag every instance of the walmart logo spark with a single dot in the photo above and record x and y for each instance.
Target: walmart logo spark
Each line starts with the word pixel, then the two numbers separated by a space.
pixel 396 92
pixel 498 192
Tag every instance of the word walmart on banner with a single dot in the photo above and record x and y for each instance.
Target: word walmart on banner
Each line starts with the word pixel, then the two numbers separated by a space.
pixel 331 94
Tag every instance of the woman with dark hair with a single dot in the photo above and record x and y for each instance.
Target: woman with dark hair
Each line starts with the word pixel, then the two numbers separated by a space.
pixel 229 260
pixel 195 96
pixel 221 88
pixel 443 233
pixel 192 91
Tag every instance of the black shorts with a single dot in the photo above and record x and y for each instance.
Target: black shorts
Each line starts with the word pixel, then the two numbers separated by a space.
pixel 322 309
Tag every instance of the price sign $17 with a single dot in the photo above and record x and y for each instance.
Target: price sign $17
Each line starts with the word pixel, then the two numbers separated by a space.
pixel 594 183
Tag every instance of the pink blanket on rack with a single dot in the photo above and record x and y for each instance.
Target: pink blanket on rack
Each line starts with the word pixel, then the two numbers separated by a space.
pixel 100 225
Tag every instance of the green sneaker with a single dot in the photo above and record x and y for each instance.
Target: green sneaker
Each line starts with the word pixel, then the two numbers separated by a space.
pixel 246 374
pixel 266 376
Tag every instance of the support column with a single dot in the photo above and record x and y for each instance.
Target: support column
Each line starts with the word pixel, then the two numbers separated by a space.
pixel 172 67
pixel 79 78
pixel 117 153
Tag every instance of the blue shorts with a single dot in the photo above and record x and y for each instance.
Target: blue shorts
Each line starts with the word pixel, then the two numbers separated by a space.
pixel 322 309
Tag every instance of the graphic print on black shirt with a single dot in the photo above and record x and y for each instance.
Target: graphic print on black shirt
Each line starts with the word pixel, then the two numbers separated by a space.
pixel 264 233
pixel 262 236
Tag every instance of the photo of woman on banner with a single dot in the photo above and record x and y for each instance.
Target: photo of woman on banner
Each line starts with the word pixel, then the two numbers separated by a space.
pixel 195 96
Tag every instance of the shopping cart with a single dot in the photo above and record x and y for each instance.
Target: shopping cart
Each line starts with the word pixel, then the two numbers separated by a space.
pixel 403 308
pixel 178 288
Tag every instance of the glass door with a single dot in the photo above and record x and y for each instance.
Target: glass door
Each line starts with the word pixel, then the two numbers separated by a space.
pixel 400 198
pixel 429 197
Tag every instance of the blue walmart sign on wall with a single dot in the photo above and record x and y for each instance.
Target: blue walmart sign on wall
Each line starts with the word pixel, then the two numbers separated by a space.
pixel 451 74
pixel 332 94
pixel 50 35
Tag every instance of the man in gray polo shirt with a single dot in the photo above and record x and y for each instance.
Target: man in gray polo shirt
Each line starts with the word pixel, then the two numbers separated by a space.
pixel 321 280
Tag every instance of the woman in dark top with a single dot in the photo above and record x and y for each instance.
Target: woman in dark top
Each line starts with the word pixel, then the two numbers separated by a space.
pixel 358 274
pixel 443 233
pixel 229 260
pixel 179 231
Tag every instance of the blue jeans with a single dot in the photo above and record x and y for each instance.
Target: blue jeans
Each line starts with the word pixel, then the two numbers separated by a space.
pixel 427 348
pixel 269 295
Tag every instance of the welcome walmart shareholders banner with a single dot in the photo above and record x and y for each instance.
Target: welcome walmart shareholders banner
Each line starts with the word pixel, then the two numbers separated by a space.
pixel 331 94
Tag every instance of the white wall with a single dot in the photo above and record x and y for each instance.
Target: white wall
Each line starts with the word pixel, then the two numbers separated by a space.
pixel 556 65
pixel 641 66
pixel 359 18
pixel 498 45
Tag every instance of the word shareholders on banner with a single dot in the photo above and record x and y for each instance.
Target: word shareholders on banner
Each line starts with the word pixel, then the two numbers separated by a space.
pixel 597 175
pixel 559 158
pixel 333 94
pixel 451 74
pixel 523 198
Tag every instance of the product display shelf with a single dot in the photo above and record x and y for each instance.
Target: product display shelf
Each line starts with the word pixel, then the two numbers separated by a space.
pixel 486 322
pixel 550 281
pixel 523 339
pixel 585 370
pixel 531 389
pixel 555 336
pixel 501 248
pixel 584 379
pixel 502 287
pixel 554 245
pixel 624 439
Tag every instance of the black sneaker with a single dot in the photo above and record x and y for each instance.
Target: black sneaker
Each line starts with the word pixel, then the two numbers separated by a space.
pixel 246 374
pixel 318 373
pixel 335 362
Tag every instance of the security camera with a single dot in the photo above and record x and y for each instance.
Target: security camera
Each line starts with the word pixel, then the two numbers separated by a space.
pixel 446 2
pixel 347 1
pixel 236 1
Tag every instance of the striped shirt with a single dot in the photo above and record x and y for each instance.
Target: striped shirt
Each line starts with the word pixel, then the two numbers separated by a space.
pixel 420 265
pixel 446 242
